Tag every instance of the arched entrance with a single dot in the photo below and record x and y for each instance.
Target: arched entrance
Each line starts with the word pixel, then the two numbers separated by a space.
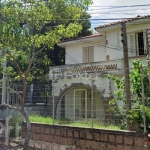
pixel 76 103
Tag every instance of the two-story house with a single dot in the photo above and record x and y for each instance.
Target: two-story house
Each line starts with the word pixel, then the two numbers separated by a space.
pixel 82 90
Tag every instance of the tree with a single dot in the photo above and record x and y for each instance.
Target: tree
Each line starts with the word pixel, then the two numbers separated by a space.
pixel 21 45
pixel 136 113
pixel 57 54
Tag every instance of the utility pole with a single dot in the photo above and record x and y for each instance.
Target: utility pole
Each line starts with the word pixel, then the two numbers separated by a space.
pixel 126 72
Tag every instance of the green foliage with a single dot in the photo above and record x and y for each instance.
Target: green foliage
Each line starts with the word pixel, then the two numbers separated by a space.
pixel 77 123
pixel 22 40
pixel 136 112
pixel 17 27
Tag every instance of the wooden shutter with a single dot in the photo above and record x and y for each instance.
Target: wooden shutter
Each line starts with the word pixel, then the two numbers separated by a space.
pixel 85 54
pixel 91 54
pixel 131 44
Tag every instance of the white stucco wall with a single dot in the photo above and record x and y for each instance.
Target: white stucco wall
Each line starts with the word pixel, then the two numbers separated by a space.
pixel 74 50
pixel 114 45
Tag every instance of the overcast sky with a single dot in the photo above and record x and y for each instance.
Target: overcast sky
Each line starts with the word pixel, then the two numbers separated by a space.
pixel 109 12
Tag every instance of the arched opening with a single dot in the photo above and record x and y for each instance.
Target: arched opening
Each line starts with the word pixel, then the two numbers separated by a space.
pixel 76 103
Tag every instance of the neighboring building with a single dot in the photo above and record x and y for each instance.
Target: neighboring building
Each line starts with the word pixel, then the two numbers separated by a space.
pixel 90 58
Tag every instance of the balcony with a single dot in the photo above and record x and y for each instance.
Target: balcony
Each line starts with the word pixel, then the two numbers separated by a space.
pixel 112 66
pixel 95 67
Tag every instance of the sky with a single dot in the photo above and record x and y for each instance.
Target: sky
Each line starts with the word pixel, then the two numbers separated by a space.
pixel 98 11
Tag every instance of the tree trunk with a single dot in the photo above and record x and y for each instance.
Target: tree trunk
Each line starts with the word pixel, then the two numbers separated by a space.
pixel 23 111
pixel 25 147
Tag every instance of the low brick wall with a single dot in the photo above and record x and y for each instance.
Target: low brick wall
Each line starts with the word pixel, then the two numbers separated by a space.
pixel 49 137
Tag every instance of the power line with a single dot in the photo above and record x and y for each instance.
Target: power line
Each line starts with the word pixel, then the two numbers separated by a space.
pixel 72 58
pixel 144 5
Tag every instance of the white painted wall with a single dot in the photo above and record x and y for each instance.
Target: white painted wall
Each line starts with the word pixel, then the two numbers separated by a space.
pixel 74 50
pixel 114 45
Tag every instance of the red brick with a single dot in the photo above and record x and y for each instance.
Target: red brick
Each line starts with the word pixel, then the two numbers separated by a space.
pixel 138 141
pixel 42 130
pixel 94 144
pixel 47 130
pixel 76 134
pixel 69 141
pixel 34 136
pixel 54 139
pixel 38 130
pixel 75 142
pixel 127 148
pixel 89 135
pixel 38 137
pixel 64 132
pixel 128 140
pixel 70 133
pixel 88 144
pixel 33 129
pixel 113 147
pixel 120 147
pixel 112 138
pixel 64 141
pixel 105 146
pixel 52 131
pixel 97 136
pixel 46 138
pixel 58 132
pixel 59 140
pixel 42 136
pixel 82 134
pixel 104 137
pixel 50 138
pixel 119 139
pixel 82 142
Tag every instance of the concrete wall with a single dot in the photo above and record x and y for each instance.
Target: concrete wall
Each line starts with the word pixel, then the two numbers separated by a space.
pixel 49 137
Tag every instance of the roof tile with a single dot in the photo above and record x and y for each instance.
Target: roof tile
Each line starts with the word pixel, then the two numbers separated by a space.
pixel 127 20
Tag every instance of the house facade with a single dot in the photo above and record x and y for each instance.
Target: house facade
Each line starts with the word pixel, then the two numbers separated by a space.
pixel 81 89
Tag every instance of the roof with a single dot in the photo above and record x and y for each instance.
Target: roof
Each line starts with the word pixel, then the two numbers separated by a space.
pixel 127 20
pixel 79 38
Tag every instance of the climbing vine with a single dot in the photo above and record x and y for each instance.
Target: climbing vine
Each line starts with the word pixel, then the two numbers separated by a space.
pixel 119 101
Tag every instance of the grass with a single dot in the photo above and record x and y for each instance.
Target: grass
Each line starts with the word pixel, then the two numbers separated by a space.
pixel 87 123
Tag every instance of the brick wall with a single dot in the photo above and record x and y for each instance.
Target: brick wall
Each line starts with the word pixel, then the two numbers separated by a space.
pixel 49 137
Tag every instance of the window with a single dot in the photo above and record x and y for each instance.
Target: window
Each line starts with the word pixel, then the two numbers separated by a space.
pixel 88 54
pixel 137 44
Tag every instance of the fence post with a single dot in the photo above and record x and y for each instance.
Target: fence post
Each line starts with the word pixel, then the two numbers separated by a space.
pixel 92 100
pixel 143 100
pixel 53 100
